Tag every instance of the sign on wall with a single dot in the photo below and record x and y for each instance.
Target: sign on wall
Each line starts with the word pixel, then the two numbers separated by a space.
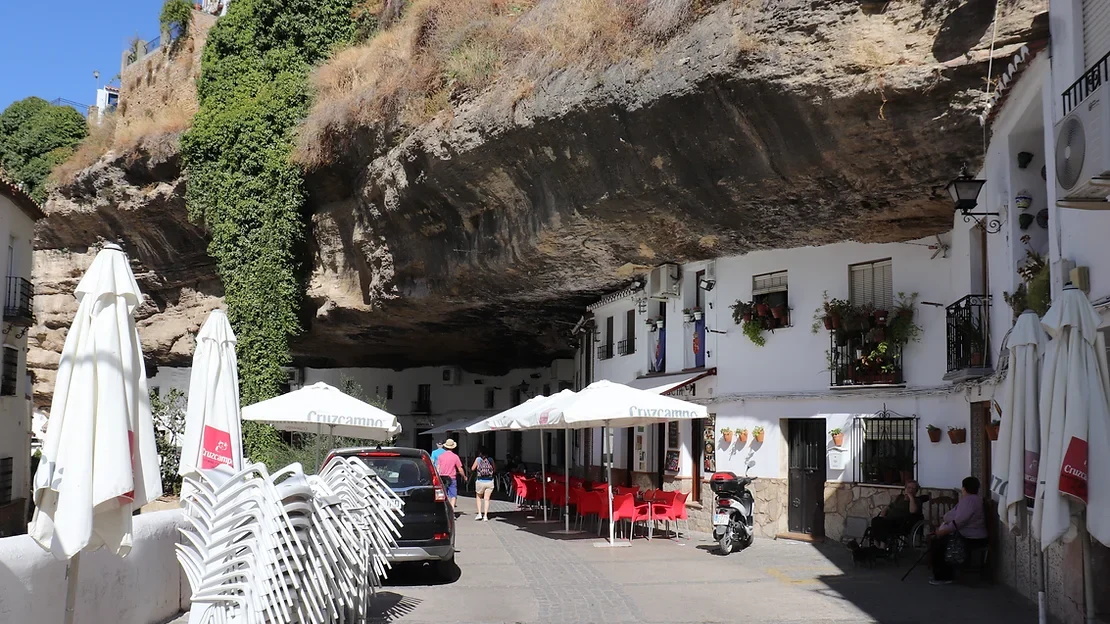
pixel 709 458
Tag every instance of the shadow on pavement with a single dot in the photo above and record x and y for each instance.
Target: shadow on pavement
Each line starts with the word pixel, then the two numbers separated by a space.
pixel 427 574
pixel 387 606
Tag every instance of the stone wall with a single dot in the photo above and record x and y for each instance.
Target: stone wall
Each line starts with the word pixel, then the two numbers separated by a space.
pixel 161 86
pixel 853 500
pixel 770 505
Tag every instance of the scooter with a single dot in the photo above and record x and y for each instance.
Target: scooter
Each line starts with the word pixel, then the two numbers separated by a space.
pixel 732 520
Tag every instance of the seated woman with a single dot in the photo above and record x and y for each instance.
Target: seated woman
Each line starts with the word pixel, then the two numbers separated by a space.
pixel 967 520
pixel 899 516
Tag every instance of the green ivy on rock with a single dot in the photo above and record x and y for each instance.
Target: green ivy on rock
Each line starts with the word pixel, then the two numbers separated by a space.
pixel 242 185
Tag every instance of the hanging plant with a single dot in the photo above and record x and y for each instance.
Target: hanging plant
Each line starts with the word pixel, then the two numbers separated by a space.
pixel 753 329
pixel 992 430
pixel 934 433
pixel 741 311
pixel 742 436
pixel 698 314
pixel 758 433
pixel 726 434
pixel 958 435
pixel 830 314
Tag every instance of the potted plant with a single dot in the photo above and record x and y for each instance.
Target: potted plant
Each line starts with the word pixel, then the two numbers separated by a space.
pixel 753 329
pixel 741 311
pixel 958 435
pixel 992 430
pixel 650 321
pixel 653 324
pixel 880 316
pixel 688 315
pixel 726 433
pixel 697 312
pixel 742 436
pixel 763 309
pixel 934 433
pixel 660 323
pixel 971 330
pixel 837 436
pixel 830 314
pixel 779 313
pixel 758 433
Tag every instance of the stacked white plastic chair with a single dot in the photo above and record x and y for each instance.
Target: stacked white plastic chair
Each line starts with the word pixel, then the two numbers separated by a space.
pixel 282 548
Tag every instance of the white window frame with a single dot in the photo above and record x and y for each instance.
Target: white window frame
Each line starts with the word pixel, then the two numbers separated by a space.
pixel 872 283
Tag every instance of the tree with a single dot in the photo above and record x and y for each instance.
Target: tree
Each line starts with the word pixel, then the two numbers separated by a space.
pixel 169 427
pixel 35 136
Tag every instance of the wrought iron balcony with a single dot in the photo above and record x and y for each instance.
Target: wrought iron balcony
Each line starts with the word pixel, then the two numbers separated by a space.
pixel 17 304
pixel 1087 84
pixel 969 338
pixel 605 352
pixel 626 347
pixel 421 407
pixel 856 359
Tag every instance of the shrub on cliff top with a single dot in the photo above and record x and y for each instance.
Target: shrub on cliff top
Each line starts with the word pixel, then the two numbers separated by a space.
pixel 442 51
pixel 253 89
pixel 34 137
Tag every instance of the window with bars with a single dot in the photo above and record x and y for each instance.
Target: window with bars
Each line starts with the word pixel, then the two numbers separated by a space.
pixel 11 368
pixel 886 452
pixel 771 289
pixel 872 283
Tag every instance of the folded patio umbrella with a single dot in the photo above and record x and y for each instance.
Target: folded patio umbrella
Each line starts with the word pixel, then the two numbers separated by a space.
pixel 1014 474
pixel 99 463
pixel 1074 471
pixel 213 433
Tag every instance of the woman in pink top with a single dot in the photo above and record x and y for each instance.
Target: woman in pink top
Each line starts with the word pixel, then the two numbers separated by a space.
pixel 966 519
pixel 448 465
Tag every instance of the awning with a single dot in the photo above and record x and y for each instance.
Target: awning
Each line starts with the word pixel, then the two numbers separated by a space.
pixel 662 384
pixel 456 425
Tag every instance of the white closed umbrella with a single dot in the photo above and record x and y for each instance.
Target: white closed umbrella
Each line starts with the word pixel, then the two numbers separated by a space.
pixel 213 431
pixel 1014 473
pixel 99 462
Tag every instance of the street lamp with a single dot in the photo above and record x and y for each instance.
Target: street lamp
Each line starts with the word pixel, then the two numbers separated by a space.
pixel 964 191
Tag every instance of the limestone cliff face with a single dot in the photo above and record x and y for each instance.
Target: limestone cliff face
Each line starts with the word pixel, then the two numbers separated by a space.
pixel 478 237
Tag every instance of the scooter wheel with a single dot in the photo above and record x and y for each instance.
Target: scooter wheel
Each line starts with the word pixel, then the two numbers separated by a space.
pixel 726 543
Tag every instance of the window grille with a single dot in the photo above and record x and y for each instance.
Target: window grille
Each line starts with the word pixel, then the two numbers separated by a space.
pixel 886 448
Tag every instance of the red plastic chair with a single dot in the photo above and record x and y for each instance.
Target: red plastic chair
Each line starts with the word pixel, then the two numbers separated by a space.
pixel 622 490
pixel 673 511
pixel 587 504
pixel 625 507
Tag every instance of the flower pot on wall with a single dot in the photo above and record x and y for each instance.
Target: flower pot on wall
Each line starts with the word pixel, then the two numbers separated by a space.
pixel 727 435
pixel 698 315
pixel 976 359
pixel 838 439
pixel 759 437
pixel 779 312
pixel 829 323
pixel 742 438
pixel 934 435
pixel 689 318
pixel 747 317
pixel 957 436
pixel 763 309
pixel 1025 220
pixel 992 431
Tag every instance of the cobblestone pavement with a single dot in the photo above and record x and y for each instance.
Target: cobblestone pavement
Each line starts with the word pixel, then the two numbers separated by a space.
pixel 513 570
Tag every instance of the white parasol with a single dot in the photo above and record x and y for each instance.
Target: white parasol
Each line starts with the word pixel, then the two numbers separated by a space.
pixel 321 408
pixel 99 463
pixel 1075 424
pixel 1015 459
pixel 213 433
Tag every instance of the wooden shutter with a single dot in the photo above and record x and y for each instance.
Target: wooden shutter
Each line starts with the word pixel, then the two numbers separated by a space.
pixel 1096 30
pixel 609 333
pixel 630 331
pixel 872 283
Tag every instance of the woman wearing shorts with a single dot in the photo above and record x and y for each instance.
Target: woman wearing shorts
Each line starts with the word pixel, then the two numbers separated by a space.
pixel 483 485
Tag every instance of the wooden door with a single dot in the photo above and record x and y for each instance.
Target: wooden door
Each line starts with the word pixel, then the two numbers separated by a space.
pixel 806 485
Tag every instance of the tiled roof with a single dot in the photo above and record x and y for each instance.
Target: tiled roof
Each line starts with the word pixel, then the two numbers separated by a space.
pixel 1009 77
pixel 20 198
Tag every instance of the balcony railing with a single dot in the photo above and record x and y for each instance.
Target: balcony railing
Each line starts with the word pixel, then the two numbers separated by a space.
pixel 1087 84
pixel 856 360
pixel 17 303
pixel 421 407
pixel 969 335
pixel 626 347
pixel 605 352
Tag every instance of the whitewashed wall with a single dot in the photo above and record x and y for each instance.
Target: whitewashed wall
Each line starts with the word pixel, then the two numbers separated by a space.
pixel 146 587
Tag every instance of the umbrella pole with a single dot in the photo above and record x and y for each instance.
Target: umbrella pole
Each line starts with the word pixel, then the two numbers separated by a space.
pixel 71 587
pixel 543 478
pixel 1088 581
pixel 609 471
pixel 566 480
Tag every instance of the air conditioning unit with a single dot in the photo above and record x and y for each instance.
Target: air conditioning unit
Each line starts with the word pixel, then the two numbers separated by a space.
pixel 1083 152
pixel 294 377
pixel 451 375
pixel 663 281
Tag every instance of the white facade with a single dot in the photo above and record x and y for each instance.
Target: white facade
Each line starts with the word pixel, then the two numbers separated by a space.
pixel 17 221
pixel 424 398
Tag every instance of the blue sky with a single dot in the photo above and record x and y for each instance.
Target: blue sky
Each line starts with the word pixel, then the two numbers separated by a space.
pixel 51 47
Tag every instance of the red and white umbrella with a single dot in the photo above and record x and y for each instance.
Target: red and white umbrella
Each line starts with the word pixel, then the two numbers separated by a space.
pixel 213 429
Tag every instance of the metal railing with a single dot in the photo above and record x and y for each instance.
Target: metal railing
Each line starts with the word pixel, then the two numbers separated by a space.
pixel 969 336
pixel 605 352
pixel 77 106
pixel 17 303
pixel 1087 84
pixel 885 448
pixel 626 347
pixel 421 407
pixel 854 360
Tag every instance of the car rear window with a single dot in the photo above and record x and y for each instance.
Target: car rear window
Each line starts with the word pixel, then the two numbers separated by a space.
pixel 400 472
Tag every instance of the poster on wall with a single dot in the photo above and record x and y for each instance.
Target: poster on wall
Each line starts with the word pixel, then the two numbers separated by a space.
pixel 672 461
pixel 709 459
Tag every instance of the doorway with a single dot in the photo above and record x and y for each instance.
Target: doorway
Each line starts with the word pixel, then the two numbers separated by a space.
pixel 980 444
pixel 806 484
pixel 424 442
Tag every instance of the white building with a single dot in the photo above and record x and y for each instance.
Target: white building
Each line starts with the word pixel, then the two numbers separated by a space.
pixel 18 213
pixel 428 397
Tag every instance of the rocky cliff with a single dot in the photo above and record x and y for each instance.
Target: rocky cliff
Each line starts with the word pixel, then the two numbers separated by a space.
pixel 478 236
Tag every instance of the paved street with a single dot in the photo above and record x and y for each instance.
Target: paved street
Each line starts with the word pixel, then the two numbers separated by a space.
pixel 511 571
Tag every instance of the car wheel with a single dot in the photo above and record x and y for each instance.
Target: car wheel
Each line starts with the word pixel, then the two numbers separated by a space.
pixel 446 570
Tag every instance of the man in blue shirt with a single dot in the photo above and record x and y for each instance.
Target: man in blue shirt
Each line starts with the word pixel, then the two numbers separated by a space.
pixel 436 453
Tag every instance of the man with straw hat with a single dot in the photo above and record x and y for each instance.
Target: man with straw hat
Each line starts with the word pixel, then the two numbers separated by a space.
pixel 448 465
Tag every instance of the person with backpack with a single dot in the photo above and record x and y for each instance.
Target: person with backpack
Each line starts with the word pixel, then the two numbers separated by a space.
pixel 484 468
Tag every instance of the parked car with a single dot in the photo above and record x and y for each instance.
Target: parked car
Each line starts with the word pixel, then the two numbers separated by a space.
pixel 428 530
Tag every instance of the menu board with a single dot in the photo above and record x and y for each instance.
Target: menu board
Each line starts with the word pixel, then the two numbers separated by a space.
pixel 709 456
pixel 672 461
pixel 672 434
